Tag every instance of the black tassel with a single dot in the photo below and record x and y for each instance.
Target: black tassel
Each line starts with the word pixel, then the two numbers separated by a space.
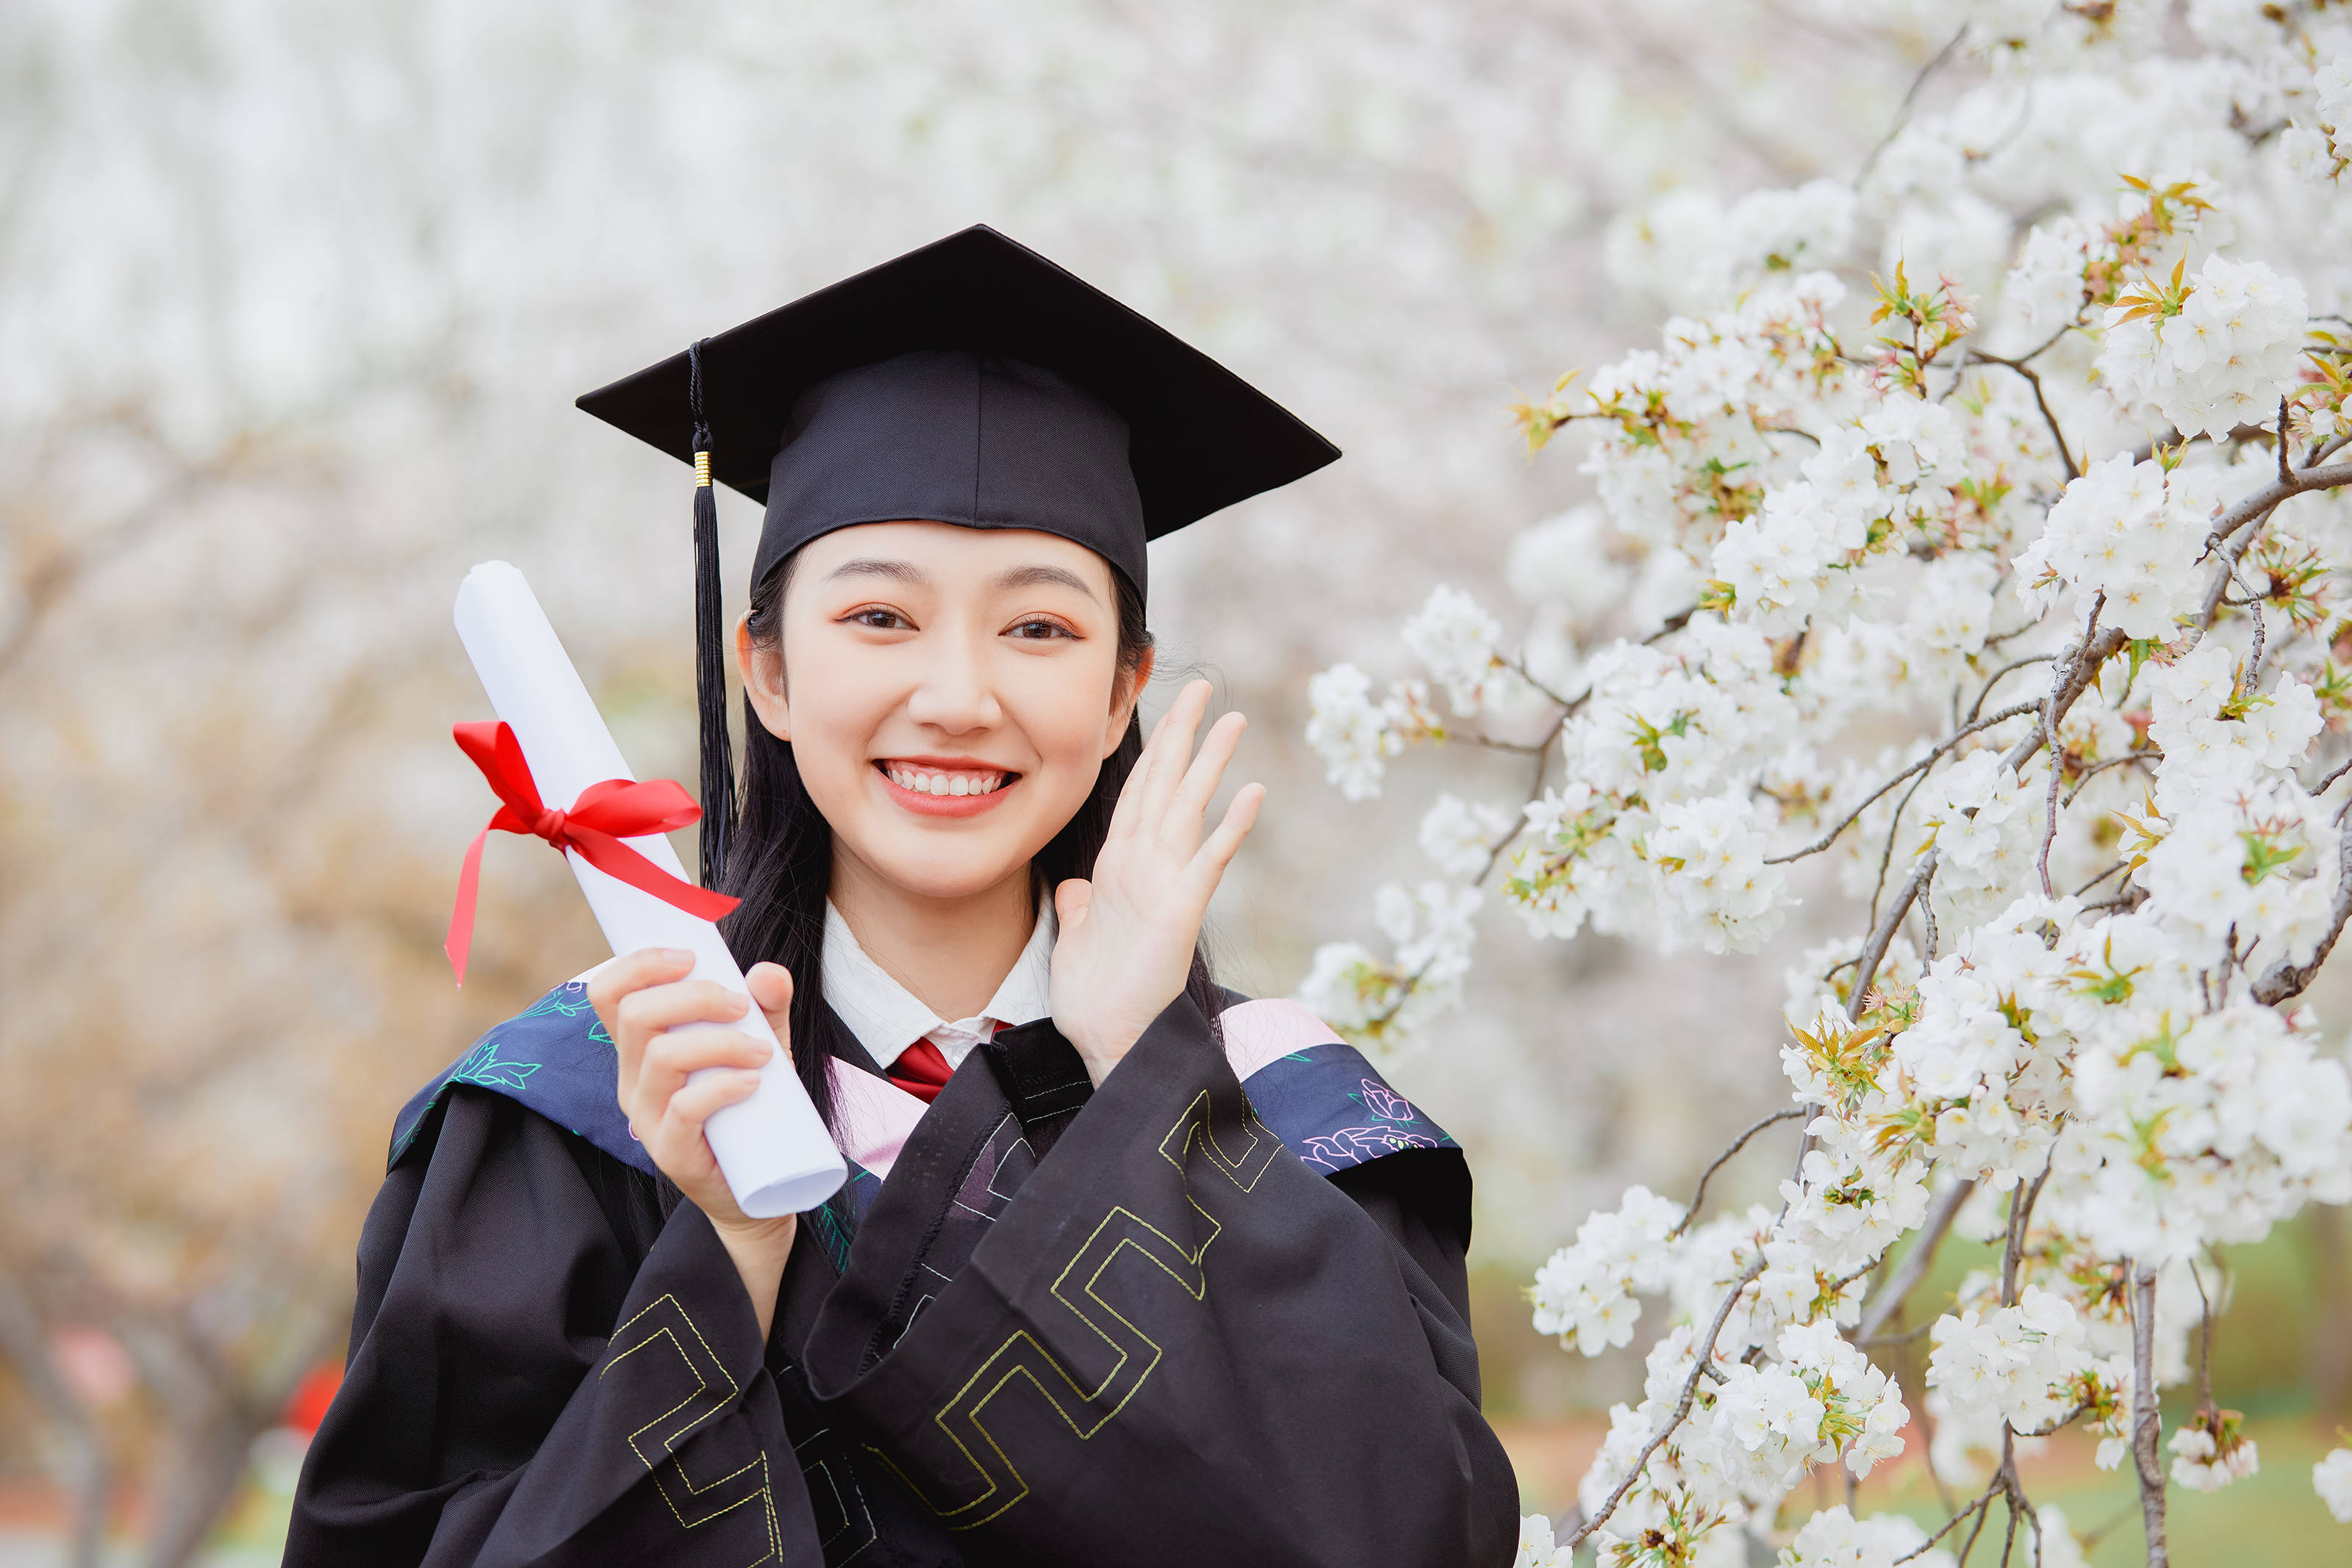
pixel 710 648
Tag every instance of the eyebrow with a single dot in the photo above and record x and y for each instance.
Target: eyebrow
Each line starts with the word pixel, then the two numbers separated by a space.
pixel 1041 576
pixel 901 571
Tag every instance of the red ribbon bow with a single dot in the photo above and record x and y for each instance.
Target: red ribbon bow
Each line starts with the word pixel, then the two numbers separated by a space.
pixel 604 814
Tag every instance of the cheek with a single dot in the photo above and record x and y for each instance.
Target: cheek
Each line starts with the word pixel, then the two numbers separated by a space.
pixel 836 704
pixel 1062 707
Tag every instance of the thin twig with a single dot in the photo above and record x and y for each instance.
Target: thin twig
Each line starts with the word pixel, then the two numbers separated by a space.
pixel 2288 979
pixel 2049 417
pixel 1675 623
pixel 1519 667
pixel 2141 755
pixel 1490 743
pixel 1737 1144
pixel 2020 1217
pixel 1887 856
pixel 2328 783
pixel 1681 1407
pixel 1990 681
pixel 1875 949
pixel 2103 876
pixel 2057 750
pixel 1910 97
pixel 1953 1523
pixel 2017 710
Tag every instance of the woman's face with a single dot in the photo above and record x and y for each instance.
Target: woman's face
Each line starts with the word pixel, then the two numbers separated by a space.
pixel 950 694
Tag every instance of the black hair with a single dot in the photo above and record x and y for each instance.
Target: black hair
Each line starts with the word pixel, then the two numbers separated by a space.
pixel 779 856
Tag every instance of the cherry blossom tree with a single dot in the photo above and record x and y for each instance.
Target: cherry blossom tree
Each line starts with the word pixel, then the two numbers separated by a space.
pixel 1966 554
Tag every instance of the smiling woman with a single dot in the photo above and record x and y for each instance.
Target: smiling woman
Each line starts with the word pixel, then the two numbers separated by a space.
pixel 1130 1269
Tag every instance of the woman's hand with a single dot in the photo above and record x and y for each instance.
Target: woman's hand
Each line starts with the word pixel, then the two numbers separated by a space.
pixel 1126 937
pixel 642 1000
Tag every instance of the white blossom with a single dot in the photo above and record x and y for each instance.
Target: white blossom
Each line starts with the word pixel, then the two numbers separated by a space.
pixel 1350 731
pixel 1459 645
pixel 1836 1539
pixel 2331 1478
pixel 1459 834
pixel 2202 1464
pixel 2213 354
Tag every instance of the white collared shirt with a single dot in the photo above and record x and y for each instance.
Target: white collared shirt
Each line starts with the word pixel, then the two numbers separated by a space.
pixel 886 1017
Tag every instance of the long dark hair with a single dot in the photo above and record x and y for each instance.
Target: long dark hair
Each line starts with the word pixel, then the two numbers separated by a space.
pixel 778 858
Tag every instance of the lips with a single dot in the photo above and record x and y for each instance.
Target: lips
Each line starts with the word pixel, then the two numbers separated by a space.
pixel 932 787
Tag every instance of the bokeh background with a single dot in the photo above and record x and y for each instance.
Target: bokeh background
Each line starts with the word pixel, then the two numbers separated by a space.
pixel 295 296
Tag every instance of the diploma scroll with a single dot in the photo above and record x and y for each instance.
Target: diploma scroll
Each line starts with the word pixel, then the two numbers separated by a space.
pixel 772 1147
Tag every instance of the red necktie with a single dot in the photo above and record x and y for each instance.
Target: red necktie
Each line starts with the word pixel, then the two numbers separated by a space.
pixel 921 1070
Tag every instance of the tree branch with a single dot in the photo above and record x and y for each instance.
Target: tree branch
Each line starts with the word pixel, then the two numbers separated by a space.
pixel 2286 978
pixel 1737 1144
pixel 2147 1423
pixel 1875 949
pixel 2017 710
pixel 2033 379
pixel 1681 1407
pixel 1990 681
pixel 1903 110
pixel 2057 752
pixel 2104 646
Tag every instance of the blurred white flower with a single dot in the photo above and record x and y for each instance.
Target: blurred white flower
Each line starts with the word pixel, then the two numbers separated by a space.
pixel 1461 645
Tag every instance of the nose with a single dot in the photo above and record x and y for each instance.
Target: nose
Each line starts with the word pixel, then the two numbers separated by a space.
pixel 955 696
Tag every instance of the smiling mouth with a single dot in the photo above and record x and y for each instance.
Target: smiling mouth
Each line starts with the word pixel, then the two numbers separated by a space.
pixel 947 783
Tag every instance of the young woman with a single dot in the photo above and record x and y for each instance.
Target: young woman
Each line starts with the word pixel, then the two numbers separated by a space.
pixel 1130 1269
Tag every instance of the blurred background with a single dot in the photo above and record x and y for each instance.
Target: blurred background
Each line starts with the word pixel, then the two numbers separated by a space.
pixel 295 296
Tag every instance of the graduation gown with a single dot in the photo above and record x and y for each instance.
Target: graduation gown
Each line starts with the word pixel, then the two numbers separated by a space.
pixel 1163 1321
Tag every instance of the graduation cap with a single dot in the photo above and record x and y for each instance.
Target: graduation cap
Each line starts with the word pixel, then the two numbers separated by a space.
pixel 971 381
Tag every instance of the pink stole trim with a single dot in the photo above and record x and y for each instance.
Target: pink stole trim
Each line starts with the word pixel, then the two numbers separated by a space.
pixel 874 1116
pixel 1269 1029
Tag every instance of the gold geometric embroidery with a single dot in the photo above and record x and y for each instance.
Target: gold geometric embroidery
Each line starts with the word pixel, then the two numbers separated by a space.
pixel 1085 1406
pixel 665 1329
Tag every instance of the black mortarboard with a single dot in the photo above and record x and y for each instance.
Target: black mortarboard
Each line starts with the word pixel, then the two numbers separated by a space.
pixel 971 382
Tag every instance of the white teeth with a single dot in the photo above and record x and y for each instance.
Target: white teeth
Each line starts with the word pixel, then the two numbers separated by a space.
pixel 944 784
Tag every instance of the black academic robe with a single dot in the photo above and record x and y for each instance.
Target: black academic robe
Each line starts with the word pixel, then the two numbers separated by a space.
pixel 1119 1326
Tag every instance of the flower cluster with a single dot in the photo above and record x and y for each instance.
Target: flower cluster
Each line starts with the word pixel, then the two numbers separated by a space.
pixel 2030 1364
pixel 1353 990
pixel 1836 1539
pixel 2212 1451
pixel 2213 351
pixel 1990 592
pixel 1584 1295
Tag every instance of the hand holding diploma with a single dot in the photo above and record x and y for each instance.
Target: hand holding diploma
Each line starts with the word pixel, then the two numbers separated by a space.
pixel 762 1132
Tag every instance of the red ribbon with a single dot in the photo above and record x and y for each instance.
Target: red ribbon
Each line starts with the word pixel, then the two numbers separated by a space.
pixel 604 814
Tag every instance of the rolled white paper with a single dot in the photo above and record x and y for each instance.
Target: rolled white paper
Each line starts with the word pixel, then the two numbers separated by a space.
pixel 772 1147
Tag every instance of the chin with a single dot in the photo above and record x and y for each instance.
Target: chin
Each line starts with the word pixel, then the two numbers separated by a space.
pixel 945 870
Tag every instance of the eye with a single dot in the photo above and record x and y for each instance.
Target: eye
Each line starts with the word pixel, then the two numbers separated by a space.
pixel 1038 629
pixel 878 618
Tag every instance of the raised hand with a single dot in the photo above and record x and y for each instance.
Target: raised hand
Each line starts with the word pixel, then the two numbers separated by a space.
pixel 643 999
pixel 1127 936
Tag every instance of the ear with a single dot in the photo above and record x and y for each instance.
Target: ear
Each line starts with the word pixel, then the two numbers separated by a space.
pixel 1124 697
pixel 763 681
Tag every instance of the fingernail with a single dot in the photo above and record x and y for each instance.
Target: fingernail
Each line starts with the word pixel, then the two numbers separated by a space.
pixel 678 954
